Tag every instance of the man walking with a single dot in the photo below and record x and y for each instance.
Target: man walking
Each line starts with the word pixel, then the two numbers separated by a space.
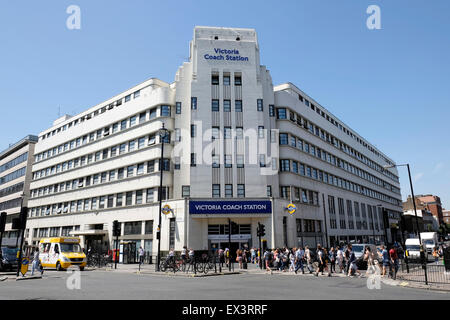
pixel 308 259
pixel 36 263
pixel 299 256
pixel 332 257
pixel 141 255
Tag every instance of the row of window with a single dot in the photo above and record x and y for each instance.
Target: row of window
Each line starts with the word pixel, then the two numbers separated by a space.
pixel 216 193
pixel 215 80
pixel 363 221
pixel 126 147
pixel 307 225
pixel 102 110
pixel 342 128
pixel 326 136
pixel 63 231
pixel 315 151
pixel 14 203
pixel 215 229
pixel 104 177
pixel 13 175
pixel 300 195
pixel 305 170
pixel 12 189
pixel 130 198
pixel 104 132
pixel 14 162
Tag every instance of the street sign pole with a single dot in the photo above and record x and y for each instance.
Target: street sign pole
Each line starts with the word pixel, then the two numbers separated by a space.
pixel 259 242
pixel 229 244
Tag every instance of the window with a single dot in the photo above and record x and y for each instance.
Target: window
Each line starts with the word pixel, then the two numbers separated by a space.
pixel 269 191
pixel 261 132
pixel 215 161
pixel 141 143
pixel 284 138
pixel 131 228
pixel 130 171
pixel 139 197
pixel 153 113
pixel 165 111
pixel 150 195
pixel 239 161
pixel 228 191
pixel 110 201
pixel 228 161
pixel 193 130
pixel 128 98
pixel 142 117
pixel 227 105
pixel 119 200
pixel 140 169
pixel 281 113
pixel 271 110
pixel 122 148
pixel 178 107
pixel 101 204
pixel 136 94
pixel 238 106
pixel 216 190
pixel 149 228
pixel 123 125
pixel 131 145
pixel 215 80
pixel 262 160
pixel 285 165
pixel 241 191
pixel 103 177
pixel 226 80
pixel 151 166
pixel 260 104
pixel 120 173
pixel 215 105
pixel 194 103
pixel 285 192
pixel 129 198
pixel 185 191
pixel 237 80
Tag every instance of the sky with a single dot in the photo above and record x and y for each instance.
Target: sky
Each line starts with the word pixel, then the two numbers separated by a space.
pixel 390 85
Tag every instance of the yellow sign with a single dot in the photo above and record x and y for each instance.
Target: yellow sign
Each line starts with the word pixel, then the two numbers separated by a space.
pixel 24 266
pixel 167 209
pixel 291 208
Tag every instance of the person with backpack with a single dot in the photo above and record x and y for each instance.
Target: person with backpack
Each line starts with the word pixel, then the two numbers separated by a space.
pixel 299 257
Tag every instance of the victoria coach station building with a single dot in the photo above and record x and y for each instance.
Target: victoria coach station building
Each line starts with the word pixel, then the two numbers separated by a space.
pixel 235 147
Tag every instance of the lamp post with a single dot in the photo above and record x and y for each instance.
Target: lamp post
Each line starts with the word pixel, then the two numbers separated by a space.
pixel 422 254
pixel 163 132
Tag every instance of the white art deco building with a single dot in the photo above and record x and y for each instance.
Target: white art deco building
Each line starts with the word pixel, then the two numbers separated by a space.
pixel 239 148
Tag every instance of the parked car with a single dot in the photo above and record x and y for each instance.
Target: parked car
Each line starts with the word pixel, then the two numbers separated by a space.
pixel 9 259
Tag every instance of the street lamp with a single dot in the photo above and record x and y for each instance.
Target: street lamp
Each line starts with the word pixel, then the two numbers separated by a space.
pixel 422 254
pixel 163 133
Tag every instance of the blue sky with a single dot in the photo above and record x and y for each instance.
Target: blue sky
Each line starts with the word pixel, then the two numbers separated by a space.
pixel 391 85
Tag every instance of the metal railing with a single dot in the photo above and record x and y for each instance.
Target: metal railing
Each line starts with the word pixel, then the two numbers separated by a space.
pixel 414 270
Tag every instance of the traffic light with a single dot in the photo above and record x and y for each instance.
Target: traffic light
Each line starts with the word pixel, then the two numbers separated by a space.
pixel 262 230
pixel 2 221
pixel 20 222
pixel 234 228
pixel 116 228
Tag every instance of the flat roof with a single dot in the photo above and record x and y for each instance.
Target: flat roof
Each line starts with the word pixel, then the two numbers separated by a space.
pixel 16 146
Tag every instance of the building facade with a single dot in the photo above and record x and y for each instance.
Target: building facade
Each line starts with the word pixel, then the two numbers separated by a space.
pixel 15 176
pixel 239 150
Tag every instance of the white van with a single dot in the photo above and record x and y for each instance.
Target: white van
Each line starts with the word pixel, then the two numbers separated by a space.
pixel 413 248
pixel 360 248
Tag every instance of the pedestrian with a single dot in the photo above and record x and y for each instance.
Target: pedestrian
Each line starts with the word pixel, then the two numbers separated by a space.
pixel 292 260
pixel 36 263
pixel 394 262
pixel 299 257
pixel 326 261
pixel 332 259
pixel 141 255
pixel 221 257
pixel 319 260
pixel 239 257
pixel 385 257
pixel 351 263
pixel 340 259
pixel 268 260
pixel 308 259
pixel 436 255
pixel 227 256
pixel 253 254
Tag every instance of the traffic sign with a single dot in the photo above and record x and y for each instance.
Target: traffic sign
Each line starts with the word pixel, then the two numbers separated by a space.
pixel 24 266
pixel 291 208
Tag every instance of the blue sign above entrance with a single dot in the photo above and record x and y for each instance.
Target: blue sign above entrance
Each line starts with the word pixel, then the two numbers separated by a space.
pixel 229 207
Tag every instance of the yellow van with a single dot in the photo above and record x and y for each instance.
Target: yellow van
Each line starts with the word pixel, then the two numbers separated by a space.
pixel 61 253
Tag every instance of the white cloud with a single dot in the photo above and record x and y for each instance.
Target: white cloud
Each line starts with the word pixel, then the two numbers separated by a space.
pixel 418 176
